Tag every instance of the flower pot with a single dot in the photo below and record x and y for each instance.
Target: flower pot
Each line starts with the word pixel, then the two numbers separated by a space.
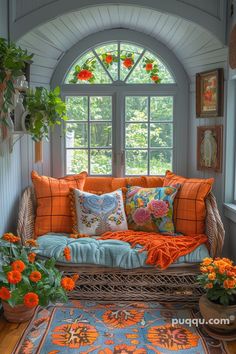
pixel 218 317
pixel 18 313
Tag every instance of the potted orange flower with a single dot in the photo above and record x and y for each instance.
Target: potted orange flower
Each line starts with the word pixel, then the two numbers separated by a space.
pixel 218 305
pixel 26 281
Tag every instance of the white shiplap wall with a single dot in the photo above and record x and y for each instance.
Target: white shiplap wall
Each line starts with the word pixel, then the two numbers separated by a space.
pixel 15 167
pixel 193 45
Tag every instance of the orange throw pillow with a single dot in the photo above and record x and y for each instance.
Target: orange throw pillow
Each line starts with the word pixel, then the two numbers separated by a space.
pixel 153 181
pixel 53 204
pixel 189 203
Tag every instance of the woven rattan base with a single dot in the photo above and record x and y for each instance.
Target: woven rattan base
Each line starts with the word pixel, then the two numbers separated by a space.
pixel 142 284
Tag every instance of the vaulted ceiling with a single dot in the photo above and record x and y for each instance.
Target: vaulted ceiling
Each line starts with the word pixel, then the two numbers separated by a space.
pixel 194 46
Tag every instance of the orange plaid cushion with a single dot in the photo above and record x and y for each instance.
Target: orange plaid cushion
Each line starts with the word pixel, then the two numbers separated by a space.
pixel 189 203
pixel 53 205
pixel 153 181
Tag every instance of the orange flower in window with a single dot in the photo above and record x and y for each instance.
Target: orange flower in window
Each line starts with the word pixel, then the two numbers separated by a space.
pixel 35 276
pixel 67 254
pixel 149 67
pixel 155 78
pixel 68 284
pixel 5 293
pixel 122 318
pixel 18 265
pixel 31 299
pixel 109 59
pixel 10 237
pixel 31 242
pixel 31 257
pixel 85 75
pixel 14 277
pixel 128 63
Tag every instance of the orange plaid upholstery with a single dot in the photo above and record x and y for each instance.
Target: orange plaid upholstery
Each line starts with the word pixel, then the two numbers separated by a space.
pixel 189 203
pixel 153 181
pixel 53 205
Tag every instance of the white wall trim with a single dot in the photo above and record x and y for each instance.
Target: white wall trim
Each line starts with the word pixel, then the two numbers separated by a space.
pixel 49 11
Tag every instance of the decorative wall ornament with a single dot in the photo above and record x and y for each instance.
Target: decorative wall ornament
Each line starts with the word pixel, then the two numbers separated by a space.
pixel 210 93
pixel 209 147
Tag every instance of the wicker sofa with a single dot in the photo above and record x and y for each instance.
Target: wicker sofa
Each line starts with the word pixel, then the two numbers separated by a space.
pixel 178 282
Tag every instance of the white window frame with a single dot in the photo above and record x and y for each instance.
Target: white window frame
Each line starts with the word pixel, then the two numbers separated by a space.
pixel 179 90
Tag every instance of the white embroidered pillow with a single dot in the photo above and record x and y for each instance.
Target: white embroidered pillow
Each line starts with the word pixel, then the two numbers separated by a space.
pixel 97 214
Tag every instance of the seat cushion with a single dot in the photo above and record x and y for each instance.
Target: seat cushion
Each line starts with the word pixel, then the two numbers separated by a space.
pixel 189 203
pixel 53 212
pixel 109 253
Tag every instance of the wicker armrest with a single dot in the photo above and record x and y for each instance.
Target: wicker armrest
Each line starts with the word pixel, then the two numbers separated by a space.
pixel 26 217
pixel 214 227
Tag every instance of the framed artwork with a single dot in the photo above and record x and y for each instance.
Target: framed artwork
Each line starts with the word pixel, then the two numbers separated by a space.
pixel 209 148
pixel 210 93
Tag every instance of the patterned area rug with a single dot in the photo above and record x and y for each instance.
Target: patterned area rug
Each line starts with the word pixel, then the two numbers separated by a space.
pixel 125 328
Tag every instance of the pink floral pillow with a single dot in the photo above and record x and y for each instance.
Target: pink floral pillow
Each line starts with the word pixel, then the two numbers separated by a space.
pixel 151 209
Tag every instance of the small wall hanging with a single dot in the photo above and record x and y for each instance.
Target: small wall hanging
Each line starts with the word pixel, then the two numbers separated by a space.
pixel 209 148
pixel 210 93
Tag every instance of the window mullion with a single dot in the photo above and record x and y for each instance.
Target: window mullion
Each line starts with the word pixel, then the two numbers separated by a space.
pixel 107 72
pixel 89 135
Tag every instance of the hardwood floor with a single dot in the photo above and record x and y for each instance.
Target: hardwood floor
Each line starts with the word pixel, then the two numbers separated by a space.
pixel 11 332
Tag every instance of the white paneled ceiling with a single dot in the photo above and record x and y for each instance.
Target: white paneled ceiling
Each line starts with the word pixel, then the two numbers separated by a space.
pixel 195 47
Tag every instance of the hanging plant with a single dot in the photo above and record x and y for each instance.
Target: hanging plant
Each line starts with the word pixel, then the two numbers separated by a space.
pixel 84 72
pixel 12 63
pixel 127 60
pixel 152 70
pixel 45 109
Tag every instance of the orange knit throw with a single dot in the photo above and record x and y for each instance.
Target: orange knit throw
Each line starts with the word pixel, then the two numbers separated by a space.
pixel 162 250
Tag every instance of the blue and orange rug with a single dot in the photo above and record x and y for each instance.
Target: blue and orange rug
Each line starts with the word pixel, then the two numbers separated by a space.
pixel 127 328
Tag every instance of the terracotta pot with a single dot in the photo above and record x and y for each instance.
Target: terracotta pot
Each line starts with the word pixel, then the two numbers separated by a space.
pixel 211 311
pixel 18 313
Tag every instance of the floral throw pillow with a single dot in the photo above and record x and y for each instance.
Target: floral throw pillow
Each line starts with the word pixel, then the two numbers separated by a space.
pixel 97 214
pixel 151 209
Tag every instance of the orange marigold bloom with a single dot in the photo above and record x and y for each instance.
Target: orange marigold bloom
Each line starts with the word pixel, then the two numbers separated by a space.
pixel 67 254
pixel 212 276
pixel 31 257
pixel 14 277
pixel 203 269
pixel 229 284
pixel 18 265
pixel 4 293
pixel 210 269
pixel 31 299
pixel 67 283
pixel 207 261
pixel 209 286
pixel 31 242
pixel 10 237
pixel 35 276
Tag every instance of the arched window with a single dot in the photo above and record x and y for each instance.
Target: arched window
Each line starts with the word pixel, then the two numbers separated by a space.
pixel 123 101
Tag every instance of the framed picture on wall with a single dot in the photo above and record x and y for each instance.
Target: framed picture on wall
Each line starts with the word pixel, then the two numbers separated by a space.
pixel 209 148
pixel 210 93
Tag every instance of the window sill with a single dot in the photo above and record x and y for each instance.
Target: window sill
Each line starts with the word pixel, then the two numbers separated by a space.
pixel 230 211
